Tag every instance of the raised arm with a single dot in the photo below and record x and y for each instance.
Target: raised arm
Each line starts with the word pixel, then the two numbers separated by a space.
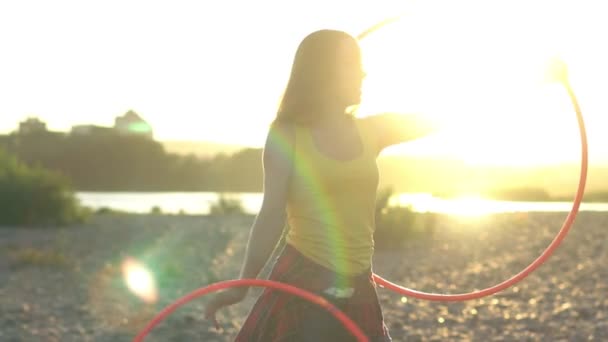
pixel 391 129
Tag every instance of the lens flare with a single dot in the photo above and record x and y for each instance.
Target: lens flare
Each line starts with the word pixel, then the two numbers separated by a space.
pixel 139 280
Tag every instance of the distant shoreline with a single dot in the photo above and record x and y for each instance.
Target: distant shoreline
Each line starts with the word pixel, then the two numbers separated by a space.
pixel 204 203
pixel 589 197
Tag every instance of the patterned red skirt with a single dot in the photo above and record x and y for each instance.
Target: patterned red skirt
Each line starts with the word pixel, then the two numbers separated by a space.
pixel 280 317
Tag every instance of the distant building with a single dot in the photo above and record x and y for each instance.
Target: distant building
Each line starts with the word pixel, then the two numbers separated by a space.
pixel 128 124
pixel 32 125
pixel 132 124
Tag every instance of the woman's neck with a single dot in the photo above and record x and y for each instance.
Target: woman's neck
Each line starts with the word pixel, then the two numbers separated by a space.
pixel 332 114
pixel 329 119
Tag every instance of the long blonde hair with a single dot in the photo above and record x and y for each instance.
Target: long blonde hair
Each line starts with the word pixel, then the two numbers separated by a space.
pixel 312 82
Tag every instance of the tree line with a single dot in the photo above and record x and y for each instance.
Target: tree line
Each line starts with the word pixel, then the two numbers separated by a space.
pixel 115 162
pixel 110 161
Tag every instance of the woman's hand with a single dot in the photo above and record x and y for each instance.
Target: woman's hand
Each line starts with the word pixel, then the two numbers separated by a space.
pixel 556 71
pixel 225 298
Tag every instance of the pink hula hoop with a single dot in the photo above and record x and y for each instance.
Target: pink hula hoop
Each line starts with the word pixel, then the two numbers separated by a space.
pixel 347 322
pixel 546 253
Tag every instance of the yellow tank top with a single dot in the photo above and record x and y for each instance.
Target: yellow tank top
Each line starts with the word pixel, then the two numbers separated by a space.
pixel 331 204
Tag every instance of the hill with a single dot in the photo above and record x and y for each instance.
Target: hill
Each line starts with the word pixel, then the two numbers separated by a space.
pixel 203 149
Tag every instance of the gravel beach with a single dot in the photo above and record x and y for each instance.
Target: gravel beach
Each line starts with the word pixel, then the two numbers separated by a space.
pixel 66 284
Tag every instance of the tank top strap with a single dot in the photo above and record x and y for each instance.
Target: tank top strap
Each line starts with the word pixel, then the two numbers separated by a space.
pixel 368 137
pixel 303 137
pixel 299 134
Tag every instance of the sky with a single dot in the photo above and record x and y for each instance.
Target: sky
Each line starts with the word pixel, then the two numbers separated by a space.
pixel 214 71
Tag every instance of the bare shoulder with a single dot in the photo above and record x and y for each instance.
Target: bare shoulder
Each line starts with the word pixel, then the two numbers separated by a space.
pixel 394 128
pixel 283 129
pixel 378 121
pixel 280 135
pixel 368 120
pixel 279 144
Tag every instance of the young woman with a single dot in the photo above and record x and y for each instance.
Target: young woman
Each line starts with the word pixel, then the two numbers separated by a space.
pixel 320 179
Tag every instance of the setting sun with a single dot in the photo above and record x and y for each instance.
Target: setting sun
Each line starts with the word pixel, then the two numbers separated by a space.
pixel 484 75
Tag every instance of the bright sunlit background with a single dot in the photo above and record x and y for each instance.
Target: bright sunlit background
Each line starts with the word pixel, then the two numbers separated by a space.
pixel 213 71
pixel 480 69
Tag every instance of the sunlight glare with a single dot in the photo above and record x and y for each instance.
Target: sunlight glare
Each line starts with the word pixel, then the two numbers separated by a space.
pixel 139 280
pixel 468 206
pixel 488 78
